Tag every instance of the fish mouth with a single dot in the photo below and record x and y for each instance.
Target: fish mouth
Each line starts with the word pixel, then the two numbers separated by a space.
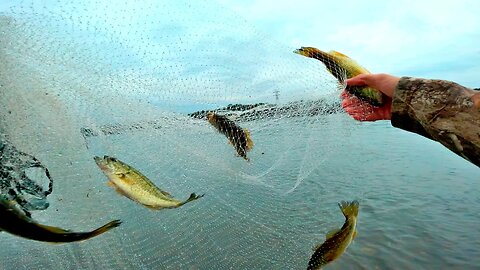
pixel 98 159
pixel 102 163
pixel 105 158
pixel 302 51
pixel 105 163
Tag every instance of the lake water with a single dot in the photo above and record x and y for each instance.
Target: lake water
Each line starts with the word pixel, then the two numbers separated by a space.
pixel 67 65
pixel 418 201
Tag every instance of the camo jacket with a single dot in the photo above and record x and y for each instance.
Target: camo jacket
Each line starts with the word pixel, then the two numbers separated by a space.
pixel 440 110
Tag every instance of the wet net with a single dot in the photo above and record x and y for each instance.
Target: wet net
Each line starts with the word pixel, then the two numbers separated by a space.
pixel 137 82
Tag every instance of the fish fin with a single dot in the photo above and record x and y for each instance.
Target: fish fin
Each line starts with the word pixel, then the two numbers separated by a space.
pixel 53 229
pixel 166 193
pixel 354 234
pixel 117 189
pixel 349 208
pixel 153 207
pixel 121 192
pixel 348 61
pixel 338 54
pixel 192 197
pixel 249 139
pixel 331 233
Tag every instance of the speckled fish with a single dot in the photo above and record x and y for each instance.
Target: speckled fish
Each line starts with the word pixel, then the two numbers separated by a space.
pixel 13 220
pixel 336 241
pixel 134 185
pixel 343 67
pixel 239 137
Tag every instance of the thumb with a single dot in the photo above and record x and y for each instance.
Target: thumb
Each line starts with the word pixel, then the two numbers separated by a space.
pixel 358 80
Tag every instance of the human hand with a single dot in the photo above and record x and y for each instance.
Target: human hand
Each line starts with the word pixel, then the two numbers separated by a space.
pixel 361 110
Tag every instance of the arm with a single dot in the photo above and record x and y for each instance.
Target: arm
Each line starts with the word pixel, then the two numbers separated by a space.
pixel 439 110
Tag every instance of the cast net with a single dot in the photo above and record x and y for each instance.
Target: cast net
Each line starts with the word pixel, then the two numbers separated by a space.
pixel 135 81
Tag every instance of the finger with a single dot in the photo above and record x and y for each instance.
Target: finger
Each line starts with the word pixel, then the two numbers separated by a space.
pixel 357 80
pixel 354 82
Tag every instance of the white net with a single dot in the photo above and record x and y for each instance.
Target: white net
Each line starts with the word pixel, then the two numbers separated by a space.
pixel 134 81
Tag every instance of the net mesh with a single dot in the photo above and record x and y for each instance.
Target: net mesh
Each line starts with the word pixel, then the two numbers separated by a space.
pixel 135 81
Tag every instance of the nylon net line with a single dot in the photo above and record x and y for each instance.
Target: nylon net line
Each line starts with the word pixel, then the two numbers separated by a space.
pixel 136 82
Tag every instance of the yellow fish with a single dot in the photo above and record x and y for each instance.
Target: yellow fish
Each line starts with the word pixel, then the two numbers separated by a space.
pixel 343 67
pixel 336 241
pixel 239 137
pixel 13 220
pixel 134 185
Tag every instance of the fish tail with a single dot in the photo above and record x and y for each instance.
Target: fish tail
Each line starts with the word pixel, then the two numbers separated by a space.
pixel 104 228
pixel 249 139
pixel 192 197
pixel 349 209
pixel 241 152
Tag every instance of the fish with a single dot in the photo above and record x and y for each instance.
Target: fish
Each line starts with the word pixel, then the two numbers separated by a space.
pixel 239 137
pixel 16 222
pixel 137 187
pixel 343 67
pixel 337 240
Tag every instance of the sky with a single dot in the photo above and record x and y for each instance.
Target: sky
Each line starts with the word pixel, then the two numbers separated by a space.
pixel 431 39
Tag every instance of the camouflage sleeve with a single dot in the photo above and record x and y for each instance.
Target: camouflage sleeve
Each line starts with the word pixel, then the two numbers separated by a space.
pixel 442 111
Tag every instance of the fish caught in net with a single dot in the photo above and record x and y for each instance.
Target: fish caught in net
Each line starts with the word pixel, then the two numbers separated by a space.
pixel 136 81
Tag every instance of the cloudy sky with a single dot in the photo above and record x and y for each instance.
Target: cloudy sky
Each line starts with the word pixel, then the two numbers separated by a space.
pixel 433 39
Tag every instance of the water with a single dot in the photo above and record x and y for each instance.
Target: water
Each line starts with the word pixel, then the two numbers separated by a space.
pixel 67 66
pixel 418 202
pixel 416 205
